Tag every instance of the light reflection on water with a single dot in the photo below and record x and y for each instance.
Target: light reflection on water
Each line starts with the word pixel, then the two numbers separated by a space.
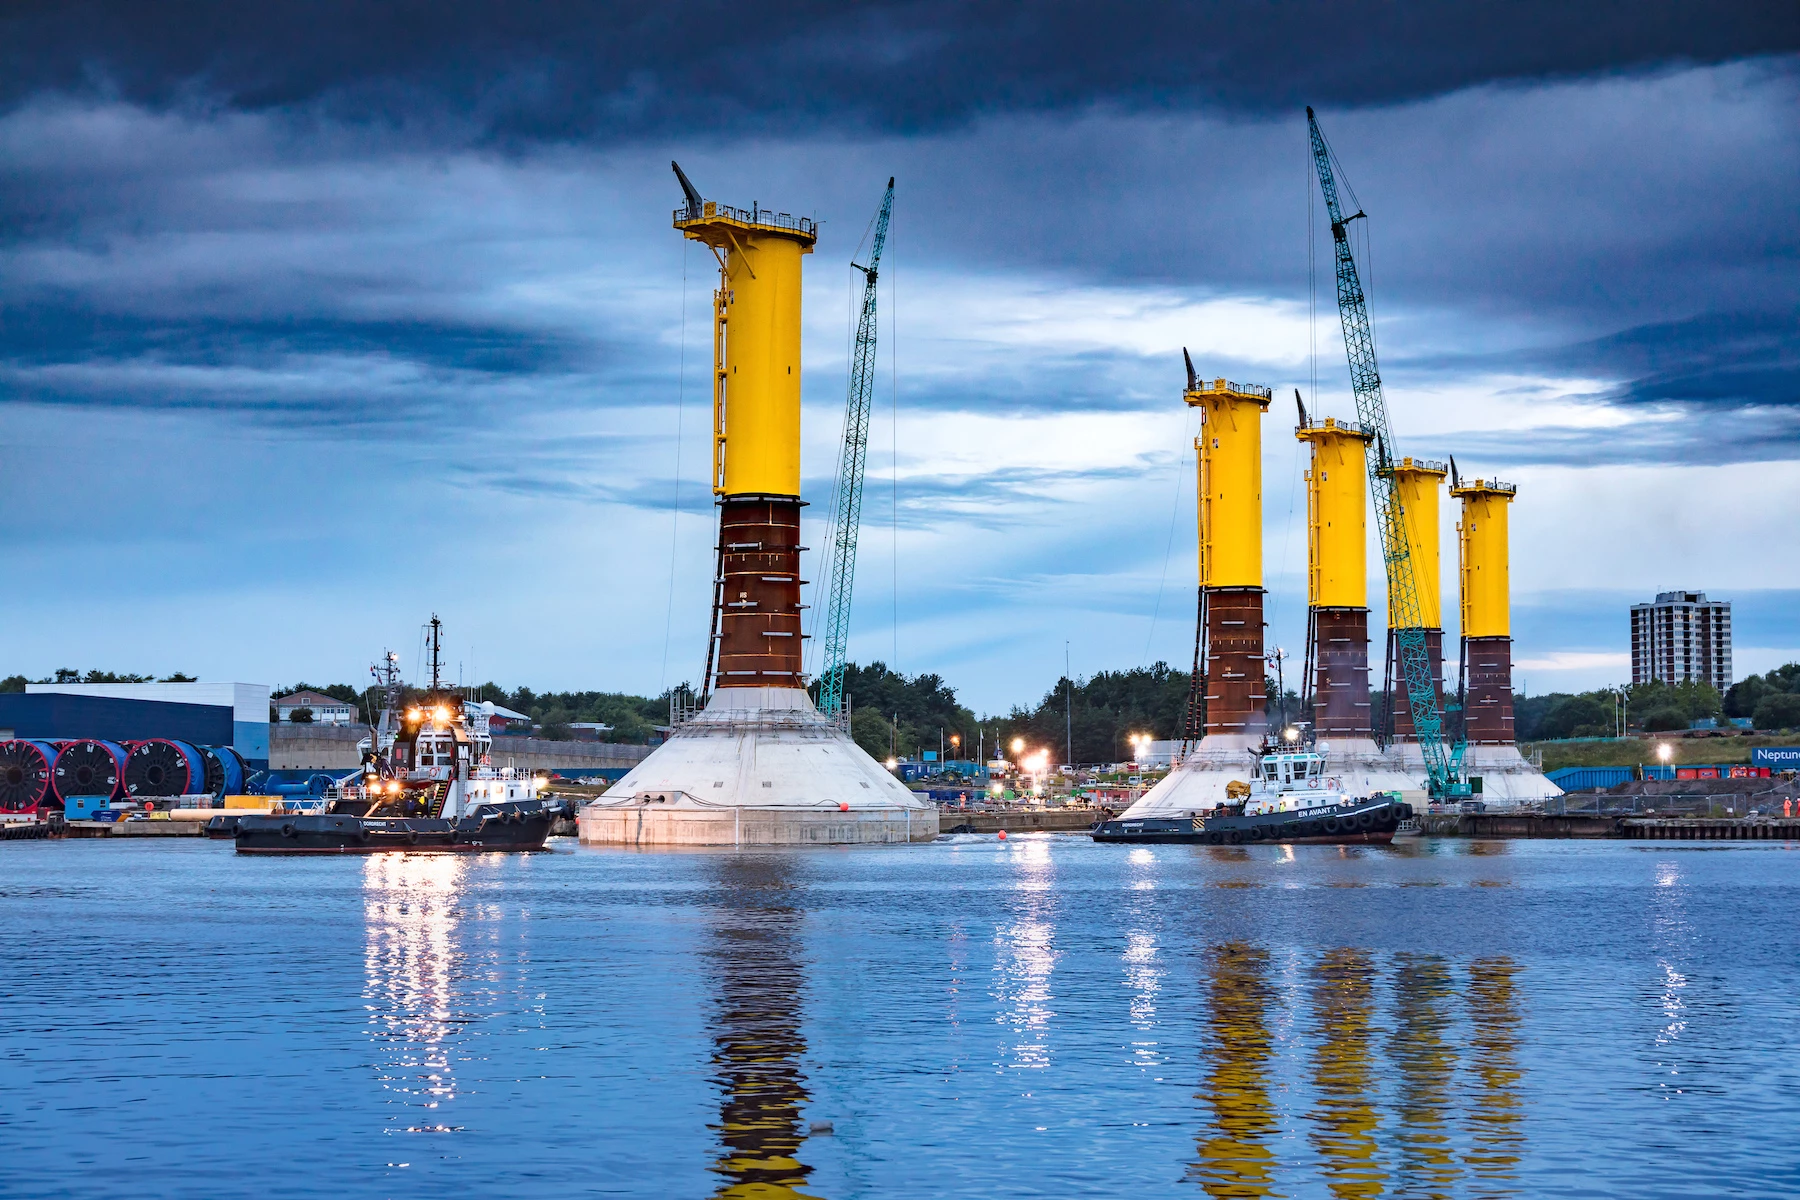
pixel 1025 956
pixel 1037 1017
pixel 410 912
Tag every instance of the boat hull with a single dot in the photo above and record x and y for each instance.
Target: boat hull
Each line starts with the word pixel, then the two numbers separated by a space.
pixel 1360 824
pixel 514 830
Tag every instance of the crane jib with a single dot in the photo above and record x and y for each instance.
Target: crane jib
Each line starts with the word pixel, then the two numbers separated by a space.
pixel 1443 764
pixel 853 458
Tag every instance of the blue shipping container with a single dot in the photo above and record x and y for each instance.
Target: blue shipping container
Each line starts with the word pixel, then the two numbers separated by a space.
pixel 1586 779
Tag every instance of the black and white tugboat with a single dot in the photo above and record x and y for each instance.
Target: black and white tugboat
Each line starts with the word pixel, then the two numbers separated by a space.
pixel 1288 798
pixel 428 785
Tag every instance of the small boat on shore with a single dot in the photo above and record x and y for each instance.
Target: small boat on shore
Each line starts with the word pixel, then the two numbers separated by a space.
pixel 428 785
pixel 1289 798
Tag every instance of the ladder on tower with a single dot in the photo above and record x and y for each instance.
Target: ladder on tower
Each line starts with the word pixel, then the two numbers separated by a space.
pixel 846 514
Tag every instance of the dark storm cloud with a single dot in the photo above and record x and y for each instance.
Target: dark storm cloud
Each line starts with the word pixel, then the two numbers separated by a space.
pixel 569 70
pixel 1726 359
pixel 40 334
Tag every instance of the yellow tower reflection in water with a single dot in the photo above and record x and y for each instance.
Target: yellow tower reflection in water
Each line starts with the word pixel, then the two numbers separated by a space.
pixel 1234 1157
pixel 1343 1073
pixel 410 916
pixel 1494 1049
pixel 755 958
pixel 1426 1059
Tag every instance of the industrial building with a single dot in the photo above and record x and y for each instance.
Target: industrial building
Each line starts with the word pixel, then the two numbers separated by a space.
pixel 758 763
pixel 1681 638
pixel 242 707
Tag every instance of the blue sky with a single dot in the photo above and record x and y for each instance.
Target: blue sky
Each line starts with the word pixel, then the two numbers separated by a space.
pixel 303 337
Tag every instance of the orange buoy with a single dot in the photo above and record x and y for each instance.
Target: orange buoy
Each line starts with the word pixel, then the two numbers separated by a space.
pixel 1003 835
pixel 843 806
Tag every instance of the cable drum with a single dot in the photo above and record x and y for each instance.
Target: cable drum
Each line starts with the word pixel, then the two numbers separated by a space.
pixel 160 767
pixel 237 771
pixel 25 779
pixel 91 768
pixel 215 772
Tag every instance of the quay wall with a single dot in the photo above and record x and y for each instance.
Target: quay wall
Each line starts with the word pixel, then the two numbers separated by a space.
pixel 1048 820
pixel 1538 825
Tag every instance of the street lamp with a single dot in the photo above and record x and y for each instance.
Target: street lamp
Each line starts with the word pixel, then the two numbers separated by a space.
pixel 1665 752
pixel 1018 745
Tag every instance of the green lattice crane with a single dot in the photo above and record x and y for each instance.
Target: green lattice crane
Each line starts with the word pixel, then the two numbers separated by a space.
pixel 1443 763
pixel 846 516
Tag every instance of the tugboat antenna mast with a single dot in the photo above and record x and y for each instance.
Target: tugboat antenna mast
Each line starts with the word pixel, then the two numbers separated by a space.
pixel 436 628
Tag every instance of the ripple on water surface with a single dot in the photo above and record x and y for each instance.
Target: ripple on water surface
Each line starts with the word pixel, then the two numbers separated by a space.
pixel 966 1018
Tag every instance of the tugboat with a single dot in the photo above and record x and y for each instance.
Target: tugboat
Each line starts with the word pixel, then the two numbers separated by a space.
pixel 1289 798
pixel 428 785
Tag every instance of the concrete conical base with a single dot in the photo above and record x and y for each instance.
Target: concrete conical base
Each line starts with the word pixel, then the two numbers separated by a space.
pixel 1506 778
pixel 760 766
pixel 1198 782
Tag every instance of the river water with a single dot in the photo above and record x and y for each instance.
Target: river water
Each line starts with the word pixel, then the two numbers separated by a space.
pixel 1035 1017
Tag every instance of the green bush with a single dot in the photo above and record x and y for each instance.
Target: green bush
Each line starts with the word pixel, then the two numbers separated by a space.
pixel 1659 720
pixel 1778 710
pixel 873 732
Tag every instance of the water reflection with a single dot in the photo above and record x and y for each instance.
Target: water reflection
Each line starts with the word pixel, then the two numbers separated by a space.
pixel 1343 1073
pixel 1234 1157
pixel 410 915
pixel 1494 1053
pixel 756 958
pixel 1025 955
pixel 1425 1058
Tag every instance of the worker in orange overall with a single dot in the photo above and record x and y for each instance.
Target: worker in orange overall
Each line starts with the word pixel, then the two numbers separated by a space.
pixel 1787 808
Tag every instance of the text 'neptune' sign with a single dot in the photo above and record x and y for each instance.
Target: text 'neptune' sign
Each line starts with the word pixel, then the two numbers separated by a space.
pixel 1776 756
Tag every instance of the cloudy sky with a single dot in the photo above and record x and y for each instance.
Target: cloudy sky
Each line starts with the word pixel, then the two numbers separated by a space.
pixel 314 322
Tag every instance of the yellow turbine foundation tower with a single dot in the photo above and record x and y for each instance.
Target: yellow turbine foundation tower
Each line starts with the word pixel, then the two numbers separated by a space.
pixel 1417 484
pixel 1229 500
pixel 1229 504
pixel 1484 575
pixel 758 764
pixel 1337 587
pixel 1482 562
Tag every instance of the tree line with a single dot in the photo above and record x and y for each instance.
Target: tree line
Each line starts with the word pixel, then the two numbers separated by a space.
pixel 1770 701
pixel 1083 720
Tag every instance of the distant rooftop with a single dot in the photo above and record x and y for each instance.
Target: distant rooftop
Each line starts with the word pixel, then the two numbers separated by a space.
pixel 1686 598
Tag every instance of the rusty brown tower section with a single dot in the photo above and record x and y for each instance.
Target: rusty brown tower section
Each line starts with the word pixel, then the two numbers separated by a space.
pixel 758 590
pixel 1237 697
pixel 1340 680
